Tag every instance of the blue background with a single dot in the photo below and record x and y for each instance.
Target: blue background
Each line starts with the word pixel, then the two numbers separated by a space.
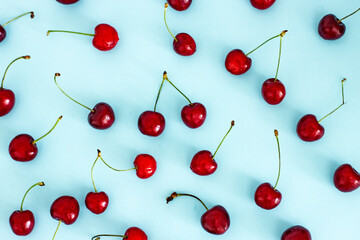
pixel 128 78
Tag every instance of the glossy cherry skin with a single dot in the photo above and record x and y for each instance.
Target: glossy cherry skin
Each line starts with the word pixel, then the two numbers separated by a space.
pixel 203 163
pixel 7 101
pixel 296 233
pixel 151 123
pixel 102 116
pixel 262 4
pixel 22 149
pixel 216 220
pixel 272 91
pixel 135 233
pixel 179 5
pixel 145 166
pixel 97 202
pixel 185 44
pixel 67 1
pixel 309 129
pixel 267 197
pixel 22 223
pixel 346 178
pixel 193 115
pixel 237 62
pixel 106 37
pixel 330 28
pixel 65 209
pixel 2 33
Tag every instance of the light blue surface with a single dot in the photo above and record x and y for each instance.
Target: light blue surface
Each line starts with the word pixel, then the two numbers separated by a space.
pixel 128 78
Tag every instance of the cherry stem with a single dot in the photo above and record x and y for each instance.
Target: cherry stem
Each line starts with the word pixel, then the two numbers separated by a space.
pixel 343 101
pixel 281 38
pixel 265 43
pixel 55 79
pixel 166 6
pixel 97 237
pixel 22 57
pixel 92 169
pixel 167 79
pixel 35 141
pixel 32 15
pixel 348 15
pixel 175 195
pixel 158 95
pixel 232 125
pixel 117 170
pixel 36 184
pixel 57 229
pixel 278 145
pixel 63 31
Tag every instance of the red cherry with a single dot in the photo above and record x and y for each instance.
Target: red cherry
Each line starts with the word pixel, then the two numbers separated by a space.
pixel 2 33
pixel 22 148
pixel 180 5
pixel 273 91
pixel 346 178
pixel 132 233
pixel 296 233
pixel 237 62
pixel 97 202
pixel 262 4
pixel 2 29
pixel 66 2
pixel 151 123
pixel 193 115
pixel 65 209
pixel 145 165
pixel 267 197
pixel 331 28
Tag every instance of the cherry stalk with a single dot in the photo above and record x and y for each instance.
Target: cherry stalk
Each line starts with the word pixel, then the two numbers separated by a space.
pixel 2 29
pixel 133 233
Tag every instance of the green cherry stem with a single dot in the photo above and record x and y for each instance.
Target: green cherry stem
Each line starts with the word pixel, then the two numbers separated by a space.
pixel 57 229
pixel 166 6
pixel 348 15
pixel 264 43
pixel 22 57
pixel 117 170
pixel 232 125
pixel 158 95
pixel 64 31
pixel 175 195
pixel 343 101
pixel 97 237
pixel 167 79
pixel 92 170
pixel 55 80
pixel 278 145
pixel 32 15
pixel 35 141
pixel 36 184
pixel 278 65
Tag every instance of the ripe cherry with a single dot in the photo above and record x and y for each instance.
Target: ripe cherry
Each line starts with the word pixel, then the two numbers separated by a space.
pixel 183 44
pixel 203 162
pixel 67 2
pixel 262 4
pixel 179 5
pixel 2 29
pixel 346 178
pixel 23 147
pixel 309 128
pixel 296 233
pixel 105 36
pixel 215 220
pixel 7 97
pixel 132 233
pixel 22 222
pixel 266 196
pixel 101 117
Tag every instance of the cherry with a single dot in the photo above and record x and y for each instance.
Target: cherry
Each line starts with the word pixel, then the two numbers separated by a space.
pixel 101 117
pixel 183 44
pixel 331 28
pixel 22 222
pixel 262 4
pixel 23 147
pixel 105 36
pixel 145 166
pixel 296 233
pixel 65 209
pixel 346 178
pixel 215 220
pixel 203 162
pixel 309 128
pixel 67 2
pixel 194 114
pixel 7 97
pixel 180 5
pixel 2 29
pixel 132 233
pixel 238 63
pixel 273 90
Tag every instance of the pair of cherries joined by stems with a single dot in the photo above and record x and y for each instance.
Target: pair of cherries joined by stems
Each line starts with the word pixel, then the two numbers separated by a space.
pixel 2 29
pixel 97 202
pixel 101 117
pixel 152 123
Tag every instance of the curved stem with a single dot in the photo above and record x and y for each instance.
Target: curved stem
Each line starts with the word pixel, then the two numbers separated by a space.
pixel 92 169
pixel 232 125
pixel 175 195
pixel 36 184
pixel 32 15
pixel 348 15
pixel 158 95
pixel 97 237
pixel 343 101
pixel 167 79
pixel 265 43
pixel 22 57
pixel 278 65
pixel 57 229
pixel 278 145
pixel 117 170
pixel 58 75
pixel 64 31
pixel 166 6
pixel 35 141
